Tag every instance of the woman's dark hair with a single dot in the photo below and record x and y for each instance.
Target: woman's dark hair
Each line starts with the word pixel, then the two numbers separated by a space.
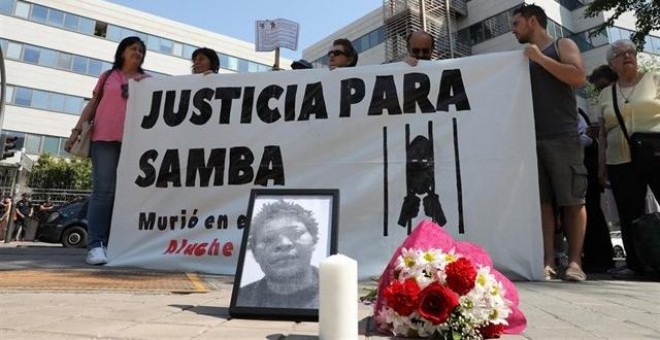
pixel 603 72
pixel 211 54
pixel 123 45
pixel 351 53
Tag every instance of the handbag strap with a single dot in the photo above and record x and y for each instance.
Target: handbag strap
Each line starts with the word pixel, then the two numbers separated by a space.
pixel 104 77
pixel 618 113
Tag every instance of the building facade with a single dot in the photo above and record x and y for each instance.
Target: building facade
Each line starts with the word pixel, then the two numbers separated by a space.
pixel 476 27
pixel 55 50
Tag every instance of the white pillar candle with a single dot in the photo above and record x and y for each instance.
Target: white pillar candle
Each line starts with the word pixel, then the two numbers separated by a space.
pixel 338 300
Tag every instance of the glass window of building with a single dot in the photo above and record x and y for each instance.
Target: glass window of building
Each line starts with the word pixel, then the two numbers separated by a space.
pixel 71 21
pixel 648 45
pixel 153 42
pixel 599 40
pixel 142 36
pixel 86 26
pixel 100 29
pixel 488 29
pixel 614 33
pixel 73 105
pixel 14 51
pixel 243 65
pixel 177 49
pixel 55 17
pixel 476 34
pixel 656 44
pixel 57 102
pixel 39 13
pixel 64 61
pixel 62 152
pixel 51 145
pixel 232 63
pixel 125 33
pixel 79 64
pixel 188 51
pixel 23 96
pixel 9 94
pixel 6 6
pixel 48 58
pixel 32 144
pixel 165 46
pixel 31 54
pixel 40 100
pixel 113 33
pixel 95 67
pixel 22 9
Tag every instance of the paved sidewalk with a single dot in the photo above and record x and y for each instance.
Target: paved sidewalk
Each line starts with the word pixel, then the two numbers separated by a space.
pixel 596 309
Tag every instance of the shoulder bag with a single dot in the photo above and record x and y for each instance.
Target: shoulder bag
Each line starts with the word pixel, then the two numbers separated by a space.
pixel 644 146
pixel 80 147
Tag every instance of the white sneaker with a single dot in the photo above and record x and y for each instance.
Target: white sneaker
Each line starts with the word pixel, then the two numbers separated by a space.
pixel 96 256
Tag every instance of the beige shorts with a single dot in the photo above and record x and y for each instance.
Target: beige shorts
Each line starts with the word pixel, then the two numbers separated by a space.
pixel 562 174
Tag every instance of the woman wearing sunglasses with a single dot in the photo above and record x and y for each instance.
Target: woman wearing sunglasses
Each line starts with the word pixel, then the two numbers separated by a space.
pixel 111 92
pixel 342 54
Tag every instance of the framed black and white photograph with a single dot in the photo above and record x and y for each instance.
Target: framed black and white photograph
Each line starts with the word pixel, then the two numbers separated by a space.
pixel 290 231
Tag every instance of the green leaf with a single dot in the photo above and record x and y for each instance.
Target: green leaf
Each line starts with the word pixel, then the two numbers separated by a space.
pixel 647 15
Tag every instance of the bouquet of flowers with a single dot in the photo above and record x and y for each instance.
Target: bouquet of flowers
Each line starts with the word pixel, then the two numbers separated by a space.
pixel 443 295
pixel 435 286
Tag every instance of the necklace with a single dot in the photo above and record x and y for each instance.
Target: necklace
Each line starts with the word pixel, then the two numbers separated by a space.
pixel 626 99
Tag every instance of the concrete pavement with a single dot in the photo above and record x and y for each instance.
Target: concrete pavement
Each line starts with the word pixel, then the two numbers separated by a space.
pixel 596 309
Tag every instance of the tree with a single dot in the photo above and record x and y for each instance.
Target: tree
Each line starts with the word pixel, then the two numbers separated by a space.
pixel 646 12
pixel 54 172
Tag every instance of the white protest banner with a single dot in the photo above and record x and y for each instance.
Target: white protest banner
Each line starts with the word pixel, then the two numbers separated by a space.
pixel 451 140
pixel 271 34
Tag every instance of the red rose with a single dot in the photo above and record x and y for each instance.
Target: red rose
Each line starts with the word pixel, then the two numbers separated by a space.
pixel 402 296
pixel 436 303
pixel 461 275
pixel 491 331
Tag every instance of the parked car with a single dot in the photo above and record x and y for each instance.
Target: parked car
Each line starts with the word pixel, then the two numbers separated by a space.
pixel 617 245
pixel 66 224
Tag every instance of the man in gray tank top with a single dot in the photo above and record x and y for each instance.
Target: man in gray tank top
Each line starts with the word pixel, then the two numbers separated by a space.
pixel 555 68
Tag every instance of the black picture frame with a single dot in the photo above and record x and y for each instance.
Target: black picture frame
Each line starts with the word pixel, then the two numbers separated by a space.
pixel 250 298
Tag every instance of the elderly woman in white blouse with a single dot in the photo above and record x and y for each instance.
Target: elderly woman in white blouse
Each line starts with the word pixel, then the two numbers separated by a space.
pixel 639 106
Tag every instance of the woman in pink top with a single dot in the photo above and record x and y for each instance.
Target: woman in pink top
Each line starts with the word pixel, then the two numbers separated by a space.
pixel 107 134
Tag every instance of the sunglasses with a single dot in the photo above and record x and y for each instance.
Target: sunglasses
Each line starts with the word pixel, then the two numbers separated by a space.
pixel 425 52
pixel 124 91
pixel 336 53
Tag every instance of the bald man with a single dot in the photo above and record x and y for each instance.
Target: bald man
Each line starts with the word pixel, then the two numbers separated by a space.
pixel 420 46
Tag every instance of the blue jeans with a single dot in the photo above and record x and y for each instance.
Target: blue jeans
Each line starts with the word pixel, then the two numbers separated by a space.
pixel 105 158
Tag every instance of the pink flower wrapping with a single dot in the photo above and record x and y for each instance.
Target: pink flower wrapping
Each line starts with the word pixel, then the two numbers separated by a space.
pixel 428 236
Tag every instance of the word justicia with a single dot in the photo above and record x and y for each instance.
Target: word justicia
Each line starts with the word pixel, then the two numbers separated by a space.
pixel 275 103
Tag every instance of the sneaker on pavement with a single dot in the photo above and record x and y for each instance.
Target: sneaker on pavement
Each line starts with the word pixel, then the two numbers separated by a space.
pixel 617 269
pixel 628 274
pixel 96 256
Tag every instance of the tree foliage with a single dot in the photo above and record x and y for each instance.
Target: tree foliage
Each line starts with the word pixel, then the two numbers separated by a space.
pixel 54 172
pixel 646 12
